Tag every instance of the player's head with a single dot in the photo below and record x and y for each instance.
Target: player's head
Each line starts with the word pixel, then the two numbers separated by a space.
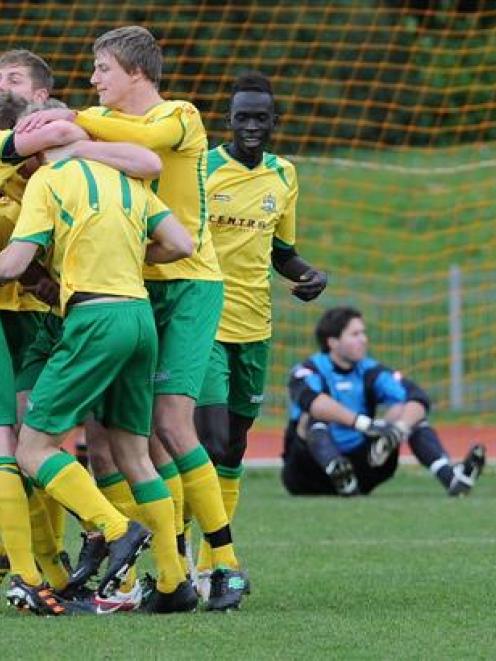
pixel 11 108
pixel 252 116
pixel 48 104
pixel 125 58
pixel 25 74
pixel 341 332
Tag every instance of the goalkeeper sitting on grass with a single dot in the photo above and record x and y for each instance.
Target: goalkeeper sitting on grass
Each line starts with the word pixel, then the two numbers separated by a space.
pixel 333 443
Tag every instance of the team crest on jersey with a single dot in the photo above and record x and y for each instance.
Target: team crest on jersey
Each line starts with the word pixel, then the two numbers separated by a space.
pixel 269 203
pixel 222 197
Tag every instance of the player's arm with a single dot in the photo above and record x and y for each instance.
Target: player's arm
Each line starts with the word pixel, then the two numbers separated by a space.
pixel 286 261
pixel 34 229
pixel 133 160
pixel 167 132
pixel 414 410
pixel 170 241
pixel 15 259
pixel 307 389
pixel 54 134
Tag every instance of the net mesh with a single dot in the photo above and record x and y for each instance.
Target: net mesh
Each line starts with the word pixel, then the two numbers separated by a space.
pixel 389 115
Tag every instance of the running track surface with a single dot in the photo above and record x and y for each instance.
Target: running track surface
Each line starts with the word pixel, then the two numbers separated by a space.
pixel 265 446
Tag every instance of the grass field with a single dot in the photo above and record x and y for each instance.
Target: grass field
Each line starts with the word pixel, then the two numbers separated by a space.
pixel 404 574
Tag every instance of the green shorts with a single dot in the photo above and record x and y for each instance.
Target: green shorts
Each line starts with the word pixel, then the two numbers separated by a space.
pixel 36 357
pixel 109 351
pixel 236 376
pixel 187 313
pixel 7 388
pixel 20 332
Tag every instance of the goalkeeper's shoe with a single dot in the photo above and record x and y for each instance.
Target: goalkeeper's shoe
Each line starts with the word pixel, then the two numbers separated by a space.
pixel 183 599
pixel 41 600
pixel 119 601
pixel 467 472
pixel 123 553
pixel 93 551
pixel 342 476
pixel 227 587
pixel 380 450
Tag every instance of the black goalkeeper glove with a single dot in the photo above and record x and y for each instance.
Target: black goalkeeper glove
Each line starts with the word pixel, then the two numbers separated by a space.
pixel 395 433
pixel 312 283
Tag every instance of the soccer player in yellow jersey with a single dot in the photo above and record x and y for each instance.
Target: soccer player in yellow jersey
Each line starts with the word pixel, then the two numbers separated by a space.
pixel 28 77
pixel 252 208
pixel 24 77
pixel 97 219
pixel 186 296
pixel 137 162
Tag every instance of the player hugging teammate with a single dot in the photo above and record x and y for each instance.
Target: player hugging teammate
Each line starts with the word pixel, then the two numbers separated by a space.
pixel 123 261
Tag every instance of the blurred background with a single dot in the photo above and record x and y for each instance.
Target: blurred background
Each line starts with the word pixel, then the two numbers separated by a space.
pixel 387 109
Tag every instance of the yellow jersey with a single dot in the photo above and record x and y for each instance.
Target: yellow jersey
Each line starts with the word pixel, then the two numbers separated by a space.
pixel 97 219
pixel 249 210
pixel 13 185
pixel 175 132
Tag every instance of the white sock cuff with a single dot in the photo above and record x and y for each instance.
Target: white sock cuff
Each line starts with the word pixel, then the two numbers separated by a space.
pixel 436 466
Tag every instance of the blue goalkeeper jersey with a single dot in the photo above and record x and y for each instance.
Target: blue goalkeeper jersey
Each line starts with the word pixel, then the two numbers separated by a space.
pixel 360 389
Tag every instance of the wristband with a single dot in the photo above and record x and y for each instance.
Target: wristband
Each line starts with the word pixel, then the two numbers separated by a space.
pixel 362 422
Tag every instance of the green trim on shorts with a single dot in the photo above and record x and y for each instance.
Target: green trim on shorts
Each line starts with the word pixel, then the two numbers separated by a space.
pixel 230 473
pixel 192 459
pixel 52 466
pixel 109 480
pixel 7 460
pixel 168 471
pixel 150 491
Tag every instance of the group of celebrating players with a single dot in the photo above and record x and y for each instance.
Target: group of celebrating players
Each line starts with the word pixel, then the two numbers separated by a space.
pixel 136 302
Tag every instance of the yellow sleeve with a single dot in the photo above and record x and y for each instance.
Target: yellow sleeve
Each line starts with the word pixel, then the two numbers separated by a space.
pixel 36 220
pixel 164 133
pixel 8 154
pixel 286 225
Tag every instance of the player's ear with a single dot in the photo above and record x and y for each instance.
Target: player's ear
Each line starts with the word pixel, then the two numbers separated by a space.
pixel 227 120
pixel 275 120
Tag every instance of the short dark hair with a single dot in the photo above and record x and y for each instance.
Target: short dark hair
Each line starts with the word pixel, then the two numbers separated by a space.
pixel 332 324
pixel 41 74
pixel 134 47
pixel 11 108
pixel 252 81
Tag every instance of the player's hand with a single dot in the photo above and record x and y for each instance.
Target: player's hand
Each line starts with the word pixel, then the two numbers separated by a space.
pixel 38 119
pixel 46 290
pixel 312 283
pixel 379 428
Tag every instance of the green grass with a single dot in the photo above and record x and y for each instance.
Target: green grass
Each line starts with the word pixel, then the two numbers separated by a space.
pixel 403 574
